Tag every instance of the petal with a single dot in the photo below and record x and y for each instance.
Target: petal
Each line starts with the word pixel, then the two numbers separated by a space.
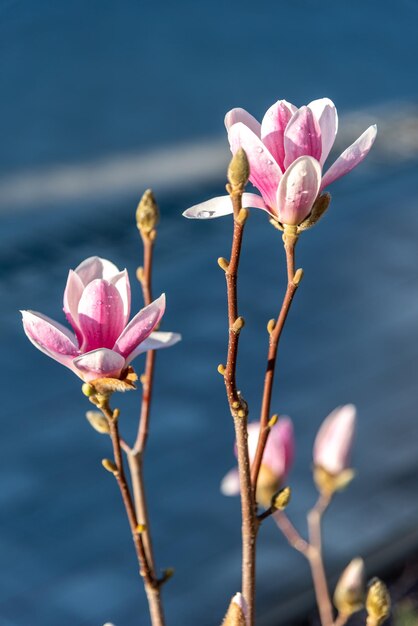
pixel 298 190
pixel 334 440
pixel 265 174
pixel 122 284
pixel 240 115
pixel 351 157
pixel 140 327
pixel 95 267
pixel 50 337
pixel 222 205
pixel 230 483
pixel 155 341
pixel 326 115
pixel 100 315
pixel 101 363
pixel 302 137
pixel 72 294
pixel 273 127
pixel 279 451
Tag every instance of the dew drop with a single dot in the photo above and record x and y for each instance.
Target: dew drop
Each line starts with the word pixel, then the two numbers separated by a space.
pixel 205 214
pixel 259 149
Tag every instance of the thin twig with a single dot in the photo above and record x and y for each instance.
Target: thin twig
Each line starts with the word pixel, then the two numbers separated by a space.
pixel 274 339
pixel 126 496
pixel 322 594
pixel 239 410
pixel 341 620
pixel 292 535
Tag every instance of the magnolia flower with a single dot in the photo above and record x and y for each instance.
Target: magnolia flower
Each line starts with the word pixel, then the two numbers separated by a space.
pixel 286 154
pixel 276 464
pixel 333 443
pixel 97 302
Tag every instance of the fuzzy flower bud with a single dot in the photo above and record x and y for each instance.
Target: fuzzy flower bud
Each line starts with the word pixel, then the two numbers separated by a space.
pixel 350 590
pixel 237 614
pixel 332 449
pixel 377 603
pixel 147 214
pixel 239 169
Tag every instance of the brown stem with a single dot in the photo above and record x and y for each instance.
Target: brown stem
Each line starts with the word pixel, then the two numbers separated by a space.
pixel 275 335
pixel 341 619
pixel 291 533
pixel 239 411
pixel 146 568
pixel 316 561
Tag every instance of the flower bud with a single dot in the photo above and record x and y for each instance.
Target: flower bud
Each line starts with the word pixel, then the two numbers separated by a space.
pixel 98 422
pixel 332 449
pixel 239 169
pixel 237 614
pixel 350 590
pixel 109 466
pixel 377 603
pixel 147 214
pixel 281 499
pixel 267 485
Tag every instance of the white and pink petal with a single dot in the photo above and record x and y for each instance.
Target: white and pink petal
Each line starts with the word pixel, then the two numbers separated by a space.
pixel 325 113
pixel 72 295
pixel 298 190
pixel 265 173
pixel 273 126
pixel 101 363
pixel 302 137
pixel 351 157
pixel 100 315
pixel 50 337
pixel 95 267
pixel 155 341
pixel 222 205
pixel 241 115
pixel 140 327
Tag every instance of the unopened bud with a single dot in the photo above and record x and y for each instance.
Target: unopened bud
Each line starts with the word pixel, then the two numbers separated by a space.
pixel 350 590
pixel 98 422
pixel 140 528
pixel 298 277
pixel 267 485
pixel 238 324
pixel 281 499
pixel 237 614
pixel 88 390
pixel 321 205
pixel 270 326
pixel 273 420
pixel 239 169
pixel 147 214
pixel 223 263
pixel 109 466
pixel 221 369
pixel 168 573
pixel 377 603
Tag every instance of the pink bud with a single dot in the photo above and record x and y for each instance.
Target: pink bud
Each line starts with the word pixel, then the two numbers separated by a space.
pixel 332 448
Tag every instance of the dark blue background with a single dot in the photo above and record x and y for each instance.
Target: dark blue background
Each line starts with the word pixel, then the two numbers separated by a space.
pixel 85 81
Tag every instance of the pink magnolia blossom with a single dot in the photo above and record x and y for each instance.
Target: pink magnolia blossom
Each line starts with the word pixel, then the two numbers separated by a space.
pixel 333 443
pixel 286 154
pixel 278 454
pixel 97 303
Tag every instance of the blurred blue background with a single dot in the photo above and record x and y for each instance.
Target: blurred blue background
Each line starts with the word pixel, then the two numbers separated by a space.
pixel 103 99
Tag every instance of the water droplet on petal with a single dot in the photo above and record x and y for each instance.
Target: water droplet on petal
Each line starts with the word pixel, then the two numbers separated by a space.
pixel 205 214
pixel 260 149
